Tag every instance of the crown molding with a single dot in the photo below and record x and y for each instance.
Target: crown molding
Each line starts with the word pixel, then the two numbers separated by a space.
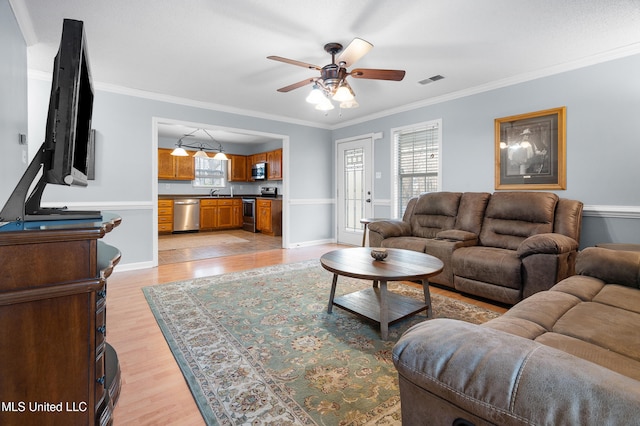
pixel 121 90
pixel 622 52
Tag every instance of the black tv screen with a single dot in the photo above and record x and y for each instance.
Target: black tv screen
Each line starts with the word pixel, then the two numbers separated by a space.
pixel 70 109
pixel 63 158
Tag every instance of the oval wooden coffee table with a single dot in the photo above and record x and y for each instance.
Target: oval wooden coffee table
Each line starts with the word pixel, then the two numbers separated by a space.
pixel 376 303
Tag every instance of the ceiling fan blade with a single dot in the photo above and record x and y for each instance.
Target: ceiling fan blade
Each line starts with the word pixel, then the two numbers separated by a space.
pixel 296 85
pixel 376 74
pixel 294 62
pixel 354 51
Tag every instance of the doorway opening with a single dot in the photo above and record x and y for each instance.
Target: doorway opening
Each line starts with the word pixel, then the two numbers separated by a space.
pixel 171 247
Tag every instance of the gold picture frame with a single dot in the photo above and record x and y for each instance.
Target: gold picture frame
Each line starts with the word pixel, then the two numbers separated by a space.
pixel 530 150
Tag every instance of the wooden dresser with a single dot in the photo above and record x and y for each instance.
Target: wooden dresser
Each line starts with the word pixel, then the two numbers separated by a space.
pixel 56 365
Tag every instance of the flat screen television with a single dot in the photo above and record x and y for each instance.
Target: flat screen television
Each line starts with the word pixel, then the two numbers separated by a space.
pixel 64 156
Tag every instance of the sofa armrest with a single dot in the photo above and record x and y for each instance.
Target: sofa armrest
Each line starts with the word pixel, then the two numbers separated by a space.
pixel 509 380
pixel 457 235
pixel 547 243
pixel 391 228
pixel 611 266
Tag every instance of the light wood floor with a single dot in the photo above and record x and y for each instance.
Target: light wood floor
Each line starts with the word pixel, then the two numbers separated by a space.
pixel 153 389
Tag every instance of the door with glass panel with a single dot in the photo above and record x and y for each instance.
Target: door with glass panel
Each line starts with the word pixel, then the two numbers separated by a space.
pixel 355 188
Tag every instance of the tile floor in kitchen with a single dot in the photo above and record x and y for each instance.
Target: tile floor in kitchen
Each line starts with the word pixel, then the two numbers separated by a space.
pixel 185 247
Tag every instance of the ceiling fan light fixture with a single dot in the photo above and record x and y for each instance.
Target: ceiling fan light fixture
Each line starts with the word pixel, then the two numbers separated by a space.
pixel 343 94
pixel 325 105
pixel 316 95
pixel 349 104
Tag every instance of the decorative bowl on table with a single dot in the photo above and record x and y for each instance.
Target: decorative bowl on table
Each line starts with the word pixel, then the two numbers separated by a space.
pixel 379 253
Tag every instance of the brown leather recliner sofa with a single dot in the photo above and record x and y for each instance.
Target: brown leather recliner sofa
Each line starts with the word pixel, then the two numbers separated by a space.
pixel 504 246
pixel 566 356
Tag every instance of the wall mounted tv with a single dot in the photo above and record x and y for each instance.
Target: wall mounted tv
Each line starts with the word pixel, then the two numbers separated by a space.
pixel 63 157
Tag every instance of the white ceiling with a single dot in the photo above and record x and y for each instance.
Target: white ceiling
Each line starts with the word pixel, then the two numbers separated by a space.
pixel 214 51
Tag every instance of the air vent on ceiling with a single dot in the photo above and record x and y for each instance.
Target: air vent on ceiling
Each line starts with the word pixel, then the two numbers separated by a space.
pixel 431 79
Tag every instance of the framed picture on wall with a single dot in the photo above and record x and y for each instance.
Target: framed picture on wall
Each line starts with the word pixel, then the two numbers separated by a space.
pixel 530 150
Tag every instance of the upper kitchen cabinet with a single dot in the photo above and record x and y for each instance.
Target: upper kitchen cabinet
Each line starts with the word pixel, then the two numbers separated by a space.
pixel 237 168
pixel 259 158
pixel 171 167
pixel 274 165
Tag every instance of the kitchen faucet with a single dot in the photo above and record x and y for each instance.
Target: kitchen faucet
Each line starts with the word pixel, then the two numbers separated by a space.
pixel 213 191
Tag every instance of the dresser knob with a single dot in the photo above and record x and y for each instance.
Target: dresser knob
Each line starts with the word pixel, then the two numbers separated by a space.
pixel 101 380
pixel 102 294
pixel 102 329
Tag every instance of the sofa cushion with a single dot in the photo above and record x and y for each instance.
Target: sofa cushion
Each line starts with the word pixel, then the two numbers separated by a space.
pixel 511 217
pixel 471 211
pixel 488 264
pixel 434 212
pixel 585 317
pixel 611 266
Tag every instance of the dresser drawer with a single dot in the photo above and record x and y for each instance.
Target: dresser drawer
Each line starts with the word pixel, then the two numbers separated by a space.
pixel 101 379
pixel 165 211
pixel 165 203
pixel 101 328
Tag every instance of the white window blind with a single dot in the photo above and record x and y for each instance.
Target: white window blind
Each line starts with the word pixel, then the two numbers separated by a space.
pixel 417 162
pixel 210 173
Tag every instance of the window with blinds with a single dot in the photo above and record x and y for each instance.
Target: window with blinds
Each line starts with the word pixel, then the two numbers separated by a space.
pixel 416 162
pixel 210 173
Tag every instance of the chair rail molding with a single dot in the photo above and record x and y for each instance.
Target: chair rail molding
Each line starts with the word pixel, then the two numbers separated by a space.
pixel 623 212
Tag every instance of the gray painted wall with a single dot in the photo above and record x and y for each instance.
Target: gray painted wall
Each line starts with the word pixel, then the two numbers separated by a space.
pixel 13 101
pixel 603 142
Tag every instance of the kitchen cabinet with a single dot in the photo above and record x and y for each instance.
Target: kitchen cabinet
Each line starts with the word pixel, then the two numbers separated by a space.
pixel 237 168
pixel 224 213
pixel 237 213
pixel 171 167
pixel 165 216
pixel 259 158
pixel 53 309
pixel 269 216
pixel 274 164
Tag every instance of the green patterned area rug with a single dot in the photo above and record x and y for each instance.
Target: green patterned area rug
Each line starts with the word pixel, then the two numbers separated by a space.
pixel 258 347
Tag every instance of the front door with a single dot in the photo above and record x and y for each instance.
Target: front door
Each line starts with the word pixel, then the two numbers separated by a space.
pixel 355 187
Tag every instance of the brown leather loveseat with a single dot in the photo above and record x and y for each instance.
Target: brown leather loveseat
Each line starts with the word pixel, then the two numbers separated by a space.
pixel 566 356
pixel 504 246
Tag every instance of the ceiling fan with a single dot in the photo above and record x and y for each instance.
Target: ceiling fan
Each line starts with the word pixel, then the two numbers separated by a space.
pixel 332 83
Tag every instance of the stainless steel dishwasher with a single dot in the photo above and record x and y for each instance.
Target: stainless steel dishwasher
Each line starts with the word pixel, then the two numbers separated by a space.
pixel 186 215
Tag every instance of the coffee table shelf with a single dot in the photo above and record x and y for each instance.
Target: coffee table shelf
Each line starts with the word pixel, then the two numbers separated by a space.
pixel 367 303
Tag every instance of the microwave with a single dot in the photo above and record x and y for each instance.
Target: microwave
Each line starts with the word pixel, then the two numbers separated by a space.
pixel 259 171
